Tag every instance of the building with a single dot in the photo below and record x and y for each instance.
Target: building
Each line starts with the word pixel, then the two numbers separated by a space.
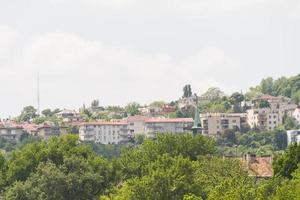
pixel 104 132
pixel 46 131
pixel 167 125
pixel 296 115
pixel 10 131
pixel 216 123
pixel 257 166
pixel 69 115
pixel 136 124
pixel 270 116
pixel 264 118
pixel 293 136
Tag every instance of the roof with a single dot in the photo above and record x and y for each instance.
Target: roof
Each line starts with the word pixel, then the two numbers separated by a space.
pixel 169 120
pixel 104 123
pixel 268 97
pixel 137 118
pixel 259 166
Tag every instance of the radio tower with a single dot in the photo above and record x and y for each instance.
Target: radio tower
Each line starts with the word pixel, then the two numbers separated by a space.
pixel 38 93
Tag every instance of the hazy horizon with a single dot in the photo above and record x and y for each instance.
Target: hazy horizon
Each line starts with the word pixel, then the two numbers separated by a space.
pixel 120 51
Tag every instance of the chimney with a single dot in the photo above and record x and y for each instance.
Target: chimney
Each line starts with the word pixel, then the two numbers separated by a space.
pixel 250 158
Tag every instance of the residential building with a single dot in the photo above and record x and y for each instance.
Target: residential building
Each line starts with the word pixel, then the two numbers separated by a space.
pixel 136 124
pixel 104 132
pixel 296 115
pixel 216 123
pixel 293 136
pixel 46 131
pixel 264 118
pixel 167 125
pixel 269 117
pixel 69 115
pixel 10 131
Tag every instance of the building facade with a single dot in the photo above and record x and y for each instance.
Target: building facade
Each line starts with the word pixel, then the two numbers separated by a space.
pixel 216 123
pixel 296 115
pixel 104 132
pixel 293 136
pixel 270 116
pixel 167 125
pixel 46 131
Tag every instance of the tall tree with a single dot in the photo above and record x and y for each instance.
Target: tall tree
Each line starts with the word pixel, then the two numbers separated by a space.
pixel 187 91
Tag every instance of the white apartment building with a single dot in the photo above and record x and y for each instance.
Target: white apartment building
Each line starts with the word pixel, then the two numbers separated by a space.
pixel 296 115
pixel 216 123
pixel 104 132
pixel 293 136
pixel 167 125
pixel 264 118
pixel 269 118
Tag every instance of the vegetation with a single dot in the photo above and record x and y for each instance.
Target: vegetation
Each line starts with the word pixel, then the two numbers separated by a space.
pixel 170 167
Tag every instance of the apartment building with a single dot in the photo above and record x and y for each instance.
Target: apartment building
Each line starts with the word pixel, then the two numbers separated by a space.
pixel 216 123
pixel 104 132
pixel 269 117
pixel 167 125
pixel 45 131
pixel 264 118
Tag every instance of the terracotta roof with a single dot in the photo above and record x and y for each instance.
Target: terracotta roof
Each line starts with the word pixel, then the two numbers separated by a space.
pixel 137 118
pixel 258 166
pixel 169 120
pixel 104 123
pixel 267 96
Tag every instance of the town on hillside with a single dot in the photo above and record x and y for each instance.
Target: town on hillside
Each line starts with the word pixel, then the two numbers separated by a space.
pixel 212 114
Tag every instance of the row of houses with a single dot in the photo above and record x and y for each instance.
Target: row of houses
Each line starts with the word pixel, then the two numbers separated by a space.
pixel 12 131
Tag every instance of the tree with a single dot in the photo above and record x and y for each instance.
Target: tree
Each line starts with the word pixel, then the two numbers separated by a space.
pixel 187 91
pixel 236 99
pixel 28 113
pixel 213 94
pixel 132 108
pixel 47 112
pixel 284 165
pixel 266 86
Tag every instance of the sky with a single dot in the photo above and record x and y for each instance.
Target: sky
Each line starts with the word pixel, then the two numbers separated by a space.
pixel 120 51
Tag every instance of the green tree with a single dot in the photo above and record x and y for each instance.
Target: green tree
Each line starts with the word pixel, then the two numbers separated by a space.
pixel 284 165
pixel 187 91
pixel 28 113
pixel 132 109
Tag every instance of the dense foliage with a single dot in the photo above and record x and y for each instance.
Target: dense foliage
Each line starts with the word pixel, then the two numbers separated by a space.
pixel 170 167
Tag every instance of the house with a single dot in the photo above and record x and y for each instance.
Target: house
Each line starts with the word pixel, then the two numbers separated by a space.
pixel 69 115
pixel 167 125
pixel 257 166
pixel 216 123
pixel 105 132
pixel 10 131
pixel 293 136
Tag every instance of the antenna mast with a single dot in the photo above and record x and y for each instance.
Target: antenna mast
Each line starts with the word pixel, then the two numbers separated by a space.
pixel 38 93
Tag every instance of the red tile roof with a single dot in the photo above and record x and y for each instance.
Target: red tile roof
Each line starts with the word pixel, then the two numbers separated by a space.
pixel 104 123
pixel 169 120
pixel 259 166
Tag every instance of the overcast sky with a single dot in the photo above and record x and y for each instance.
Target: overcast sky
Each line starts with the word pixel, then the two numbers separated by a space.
pixel 119 51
